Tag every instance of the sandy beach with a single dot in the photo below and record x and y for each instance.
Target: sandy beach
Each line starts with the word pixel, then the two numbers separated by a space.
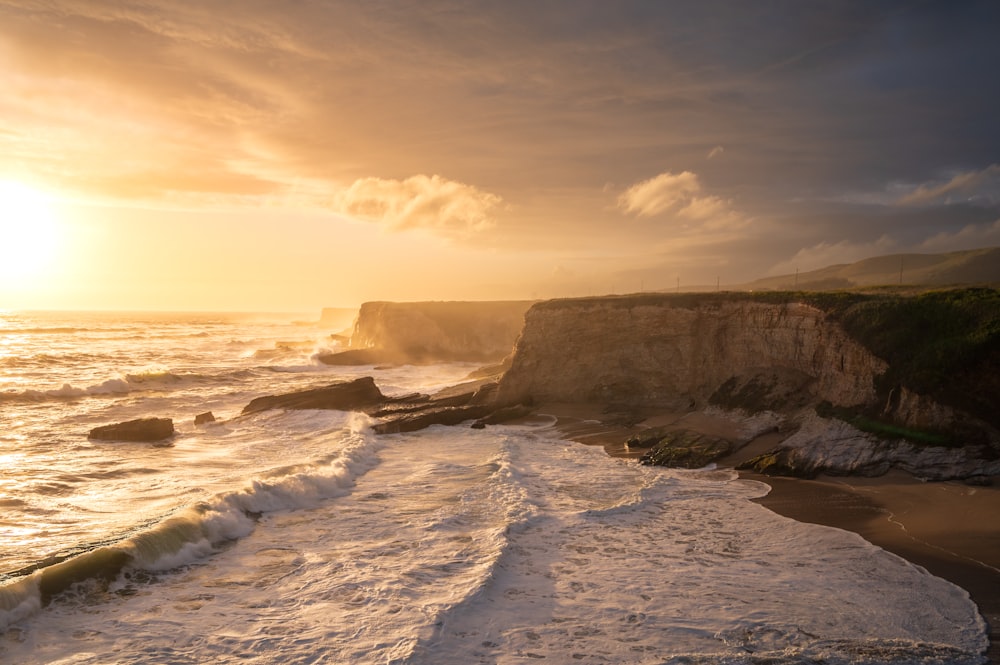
pixel 949 528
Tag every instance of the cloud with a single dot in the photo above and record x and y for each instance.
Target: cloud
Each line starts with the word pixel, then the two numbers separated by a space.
pixel 679 194
pixel 970 236
pixel 420 201
pixel 717 150
pixel 833 253
pixel 983 186
pixel 659 194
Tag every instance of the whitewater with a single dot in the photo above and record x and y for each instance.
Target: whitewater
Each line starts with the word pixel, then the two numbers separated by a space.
pixel 302 537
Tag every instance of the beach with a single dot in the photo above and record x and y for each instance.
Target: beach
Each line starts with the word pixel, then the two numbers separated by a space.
pixel 948 528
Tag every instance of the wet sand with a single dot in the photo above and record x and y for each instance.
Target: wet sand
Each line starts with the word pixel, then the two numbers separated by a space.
pixel 949 528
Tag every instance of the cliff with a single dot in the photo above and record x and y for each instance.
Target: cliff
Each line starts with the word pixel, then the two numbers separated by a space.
pixel 658 351
pixel 420 332
pixel 808 360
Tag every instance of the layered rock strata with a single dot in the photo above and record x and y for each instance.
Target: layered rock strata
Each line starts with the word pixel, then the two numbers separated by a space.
pixel 651 352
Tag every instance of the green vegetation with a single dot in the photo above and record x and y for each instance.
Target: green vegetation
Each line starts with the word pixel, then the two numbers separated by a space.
pixel 941 343
pixel 944 344
pixel 885 430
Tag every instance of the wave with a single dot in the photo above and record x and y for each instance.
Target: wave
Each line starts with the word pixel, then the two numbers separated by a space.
pixel 47 330
pixel 150 379
pixel 194 532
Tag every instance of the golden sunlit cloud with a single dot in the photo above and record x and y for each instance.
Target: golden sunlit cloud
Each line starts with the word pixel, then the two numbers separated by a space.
pixel 29 232
pixel 680 194
pixel 420 201
pixel 659 194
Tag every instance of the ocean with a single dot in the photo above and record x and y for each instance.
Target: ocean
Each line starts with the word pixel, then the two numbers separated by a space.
pixel 302 537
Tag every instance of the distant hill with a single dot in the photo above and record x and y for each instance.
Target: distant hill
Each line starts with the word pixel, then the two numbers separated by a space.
pixel 974 266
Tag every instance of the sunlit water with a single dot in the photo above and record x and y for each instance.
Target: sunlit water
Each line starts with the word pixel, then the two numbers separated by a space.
pixel 300 537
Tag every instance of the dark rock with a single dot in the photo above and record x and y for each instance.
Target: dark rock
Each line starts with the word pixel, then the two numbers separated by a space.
pixel 142 429
pixel 202 418
pixel 778 462
pixel 353 357
pixel 506 414
pixel 764 389
pixel 357 395
pixel 687 450
pixel 432 415
pixel 979 481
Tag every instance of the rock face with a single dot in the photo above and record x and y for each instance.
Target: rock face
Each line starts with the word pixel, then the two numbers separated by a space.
pixel 660 352
pixel 423 332
pixel 142 429
pixel 683 353
pixel 357 395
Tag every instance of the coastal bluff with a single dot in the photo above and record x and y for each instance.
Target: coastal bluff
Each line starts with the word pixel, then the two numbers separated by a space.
pixel 655 351
pixel 804 364
pixel 426 332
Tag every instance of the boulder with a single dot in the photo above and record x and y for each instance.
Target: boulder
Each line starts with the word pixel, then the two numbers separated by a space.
pixel 202 418
pixel 142 429
pixel 686 449
pixel 358 395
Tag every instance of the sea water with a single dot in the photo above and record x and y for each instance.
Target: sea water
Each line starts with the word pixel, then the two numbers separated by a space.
pixel 301 537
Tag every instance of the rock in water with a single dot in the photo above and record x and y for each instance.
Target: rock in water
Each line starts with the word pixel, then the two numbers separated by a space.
pixel 142 429
pixel 202 418
pixel 357 395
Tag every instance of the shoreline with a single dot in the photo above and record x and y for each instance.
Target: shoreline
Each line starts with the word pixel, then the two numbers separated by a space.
pixel 948 528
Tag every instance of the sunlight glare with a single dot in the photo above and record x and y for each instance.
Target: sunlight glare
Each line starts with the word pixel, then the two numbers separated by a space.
pixel 29 233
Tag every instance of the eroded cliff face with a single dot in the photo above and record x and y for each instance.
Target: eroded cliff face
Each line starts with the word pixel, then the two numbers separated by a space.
pixel 650 351
pixel 436 331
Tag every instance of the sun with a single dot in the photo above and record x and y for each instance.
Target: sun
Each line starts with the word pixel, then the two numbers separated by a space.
pixel 29 233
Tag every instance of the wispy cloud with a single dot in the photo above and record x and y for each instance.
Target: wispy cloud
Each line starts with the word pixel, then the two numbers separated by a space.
pixel 826 254
pixel 981 185
pixel 681 195
pixel 714 152
pixel 970 236
pixel 420 201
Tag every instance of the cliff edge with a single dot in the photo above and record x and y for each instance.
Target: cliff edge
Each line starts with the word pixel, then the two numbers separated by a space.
pixel 426 332
pixel 806 360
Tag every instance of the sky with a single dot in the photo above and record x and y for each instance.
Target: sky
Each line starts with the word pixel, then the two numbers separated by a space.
pixel 255 155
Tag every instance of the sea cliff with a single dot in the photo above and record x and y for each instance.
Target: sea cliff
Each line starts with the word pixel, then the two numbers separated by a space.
pixel 423 332
pixel 846 409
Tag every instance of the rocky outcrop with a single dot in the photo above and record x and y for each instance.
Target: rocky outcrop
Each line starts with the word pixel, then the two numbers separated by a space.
pixel 469 401
pixel 357 395
pixel 834 447
pixel 425 332
pixel 689 352
pixel 658 351
pixel 680 448
pixel 142 429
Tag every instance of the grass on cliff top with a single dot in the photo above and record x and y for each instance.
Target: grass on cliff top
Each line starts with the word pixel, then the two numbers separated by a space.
pixel 940 343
